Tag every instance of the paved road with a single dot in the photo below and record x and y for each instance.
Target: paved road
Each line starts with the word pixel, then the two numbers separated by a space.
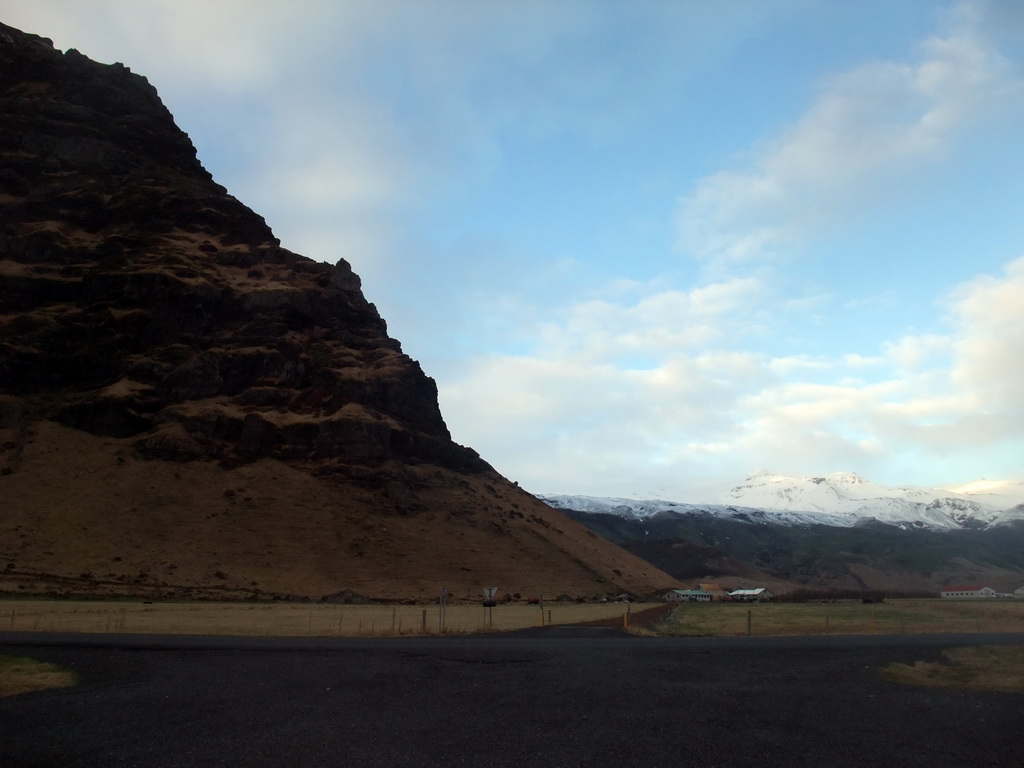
pixel 553 697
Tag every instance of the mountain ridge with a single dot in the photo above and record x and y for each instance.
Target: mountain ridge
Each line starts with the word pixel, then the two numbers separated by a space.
pixel 909 540
pixel 840 499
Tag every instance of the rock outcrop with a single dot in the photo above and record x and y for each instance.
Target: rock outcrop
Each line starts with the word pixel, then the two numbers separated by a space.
pixel 162 309
pixel 154 322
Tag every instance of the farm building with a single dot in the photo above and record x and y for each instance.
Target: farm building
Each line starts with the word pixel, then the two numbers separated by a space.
pixel 973 590
pixel 751 595
pixel 1018 592
pixel 687 596
pixel 716 591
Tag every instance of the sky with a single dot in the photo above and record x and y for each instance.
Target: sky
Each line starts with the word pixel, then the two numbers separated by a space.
pixel 643 248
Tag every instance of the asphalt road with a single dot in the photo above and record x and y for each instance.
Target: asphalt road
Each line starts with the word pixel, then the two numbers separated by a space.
pixel 551 697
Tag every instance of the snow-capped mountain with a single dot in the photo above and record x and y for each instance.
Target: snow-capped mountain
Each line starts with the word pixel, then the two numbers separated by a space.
pixel 639 510
pixel 847 494
pixel 839 499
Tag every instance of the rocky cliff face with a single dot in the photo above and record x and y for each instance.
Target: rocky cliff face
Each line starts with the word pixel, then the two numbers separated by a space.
pixel 151 320
pixel 144 302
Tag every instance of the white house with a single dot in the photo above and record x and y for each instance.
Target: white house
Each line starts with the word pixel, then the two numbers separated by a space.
pixel 973 590
pixel 751 595
pixel 1018 592
pixel 687 596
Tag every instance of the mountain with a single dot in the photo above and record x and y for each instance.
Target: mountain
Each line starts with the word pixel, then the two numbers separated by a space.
pixel 849 498
pixel 838 531
pixel 841 499
pixel 189 409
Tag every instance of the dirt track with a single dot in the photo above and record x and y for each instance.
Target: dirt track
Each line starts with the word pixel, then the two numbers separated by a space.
pixel 547 697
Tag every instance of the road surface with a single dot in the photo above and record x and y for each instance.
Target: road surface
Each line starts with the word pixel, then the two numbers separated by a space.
pixel 547 698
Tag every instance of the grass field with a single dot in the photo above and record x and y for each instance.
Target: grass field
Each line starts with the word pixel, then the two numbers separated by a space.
pixel 691 619
pixel 986 668
pixel 21 675
pixel 845 618
pixel 289 619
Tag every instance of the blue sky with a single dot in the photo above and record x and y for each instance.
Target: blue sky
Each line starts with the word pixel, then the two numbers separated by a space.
pixel 642 248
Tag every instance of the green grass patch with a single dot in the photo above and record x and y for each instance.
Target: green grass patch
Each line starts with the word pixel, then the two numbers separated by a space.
pixel 977 668
pixel 893 617
pixel 22 675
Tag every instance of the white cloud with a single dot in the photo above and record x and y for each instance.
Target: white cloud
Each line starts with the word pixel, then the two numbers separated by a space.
pixel 989 344
pixel 864 131
pixel 788 366
pixel 223 44
pixel 701 410
pixel 912 353
pixel 943 395
pixel 660 325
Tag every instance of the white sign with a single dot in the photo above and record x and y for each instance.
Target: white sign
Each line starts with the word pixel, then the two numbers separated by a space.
pixel 489 592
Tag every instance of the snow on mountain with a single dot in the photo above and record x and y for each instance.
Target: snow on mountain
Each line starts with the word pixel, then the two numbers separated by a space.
pixel 993 493
pixel 839 499
pixel 978 503
pixel 1012 514
pixel 642 509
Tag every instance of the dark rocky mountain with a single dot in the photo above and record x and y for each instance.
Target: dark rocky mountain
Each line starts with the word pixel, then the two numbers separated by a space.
pixel 869 556
pixel 186 407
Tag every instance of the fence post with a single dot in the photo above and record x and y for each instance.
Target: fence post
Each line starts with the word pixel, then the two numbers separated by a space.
pixel 749 622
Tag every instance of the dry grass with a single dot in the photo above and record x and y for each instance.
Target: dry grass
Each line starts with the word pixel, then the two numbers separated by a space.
pixel 325 620
pixel 846 618
pixel 980 668
pixel 84 516
pixel 287 619
pixel 21 675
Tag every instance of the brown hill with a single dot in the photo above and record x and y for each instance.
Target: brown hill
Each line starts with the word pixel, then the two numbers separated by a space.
pixel 187 408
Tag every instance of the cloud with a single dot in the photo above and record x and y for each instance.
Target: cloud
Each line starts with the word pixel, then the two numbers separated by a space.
pixel 941 395
pixel 557 422
pixel 572 417
pixel 612 390
pixel 911 354
pixel 865 130
pixel 988 347
pixel 221 45
pixel 659 325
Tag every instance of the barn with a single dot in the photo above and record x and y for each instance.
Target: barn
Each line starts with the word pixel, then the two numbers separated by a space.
pixel 971 590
